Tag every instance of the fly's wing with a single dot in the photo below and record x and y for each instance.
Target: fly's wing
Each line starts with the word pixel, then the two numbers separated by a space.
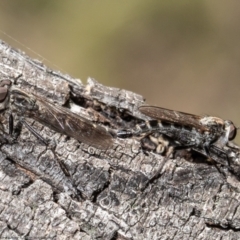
pixel 172 116
pixel 64 121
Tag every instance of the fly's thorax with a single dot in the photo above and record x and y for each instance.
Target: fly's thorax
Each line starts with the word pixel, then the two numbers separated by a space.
pixel 209 121
pixel 22 102
pixel 214 124
pixel 210 137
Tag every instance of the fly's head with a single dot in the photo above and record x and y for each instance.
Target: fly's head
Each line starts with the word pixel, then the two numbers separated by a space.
pixel 220 127
pixel 4 93
pixel 222 135
pixel 21 102
pixel 219 131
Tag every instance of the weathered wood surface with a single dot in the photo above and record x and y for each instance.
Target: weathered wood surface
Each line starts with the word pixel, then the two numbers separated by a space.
pixel 119 193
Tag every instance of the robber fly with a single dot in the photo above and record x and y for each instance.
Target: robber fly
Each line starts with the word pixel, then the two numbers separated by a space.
pixel 186 130
pixel 55 117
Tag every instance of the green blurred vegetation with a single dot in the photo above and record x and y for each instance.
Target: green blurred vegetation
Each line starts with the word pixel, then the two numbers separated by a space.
pixel 181 55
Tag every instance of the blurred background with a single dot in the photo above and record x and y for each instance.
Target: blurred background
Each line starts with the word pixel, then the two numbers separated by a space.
pixel 181 55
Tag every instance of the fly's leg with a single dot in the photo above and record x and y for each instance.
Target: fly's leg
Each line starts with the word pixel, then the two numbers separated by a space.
pixel 10 124
pixel 219 155
pixel 7 138
pixel 34 132
pixel 15 132
pixel 47 143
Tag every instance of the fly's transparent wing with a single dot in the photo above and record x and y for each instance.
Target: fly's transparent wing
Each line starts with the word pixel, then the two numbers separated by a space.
pixel 60 119
pixel 172 116
pixel 66 122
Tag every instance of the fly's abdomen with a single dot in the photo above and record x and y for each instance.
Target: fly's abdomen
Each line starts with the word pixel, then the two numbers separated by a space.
pixel 140 129
pixel 180 135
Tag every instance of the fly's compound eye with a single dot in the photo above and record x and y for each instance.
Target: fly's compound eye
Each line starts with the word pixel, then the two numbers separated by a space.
pixel 4 85
pixel 232 130
pixel 233 133
pixel 3 93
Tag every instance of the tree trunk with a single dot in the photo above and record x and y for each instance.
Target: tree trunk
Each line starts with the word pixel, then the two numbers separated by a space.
pixel 68 189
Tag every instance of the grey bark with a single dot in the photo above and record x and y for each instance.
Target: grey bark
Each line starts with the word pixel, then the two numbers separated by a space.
pixel 120 193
